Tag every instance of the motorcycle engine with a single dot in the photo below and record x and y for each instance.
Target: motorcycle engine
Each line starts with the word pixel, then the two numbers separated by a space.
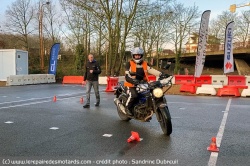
pixel 141 112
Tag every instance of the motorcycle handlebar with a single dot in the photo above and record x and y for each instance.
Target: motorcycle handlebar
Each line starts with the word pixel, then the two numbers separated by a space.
pixel 163 81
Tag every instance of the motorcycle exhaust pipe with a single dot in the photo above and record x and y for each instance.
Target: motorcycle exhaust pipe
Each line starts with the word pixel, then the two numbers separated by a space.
pixel 120 105
pixel 116 101
pixel 149 116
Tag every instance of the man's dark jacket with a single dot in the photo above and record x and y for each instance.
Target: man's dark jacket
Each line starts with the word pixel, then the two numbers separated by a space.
pixel 94 65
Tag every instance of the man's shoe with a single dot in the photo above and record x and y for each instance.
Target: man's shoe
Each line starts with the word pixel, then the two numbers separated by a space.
pixel 97 104
pixel 86 106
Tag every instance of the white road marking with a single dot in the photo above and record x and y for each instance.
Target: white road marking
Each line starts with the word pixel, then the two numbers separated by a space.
pixel 24 104
pixel 69 85
pixel 4 96
pixel 182 108
pixel 213 159
pixel 189 103
pixel 18 97
pixel 214 155
pixel 32 103
pixel 54 128
pixel 63 95
pixel 45 101
pixel 9 122
pixel 107 135
pixel 24 100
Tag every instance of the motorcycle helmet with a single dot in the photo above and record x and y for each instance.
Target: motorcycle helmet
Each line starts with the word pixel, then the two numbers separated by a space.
pixel 137 51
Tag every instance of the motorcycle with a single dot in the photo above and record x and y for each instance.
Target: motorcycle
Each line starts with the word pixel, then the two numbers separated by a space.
pixel 151 100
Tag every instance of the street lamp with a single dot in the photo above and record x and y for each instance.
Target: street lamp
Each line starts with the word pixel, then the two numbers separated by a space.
pixel 41 35
pixel 234 6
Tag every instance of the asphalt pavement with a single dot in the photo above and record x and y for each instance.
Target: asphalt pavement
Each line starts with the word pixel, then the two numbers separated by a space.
pixel 35 130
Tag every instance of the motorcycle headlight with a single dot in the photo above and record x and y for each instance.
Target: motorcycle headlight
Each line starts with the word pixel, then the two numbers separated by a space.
pixel 158 92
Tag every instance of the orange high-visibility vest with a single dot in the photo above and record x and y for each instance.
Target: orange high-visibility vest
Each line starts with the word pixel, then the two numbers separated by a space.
pixel 133 69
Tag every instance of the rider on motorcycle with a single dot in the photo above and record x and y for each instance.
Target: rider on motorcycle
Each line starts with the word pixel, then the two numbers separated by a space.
pixel 137 70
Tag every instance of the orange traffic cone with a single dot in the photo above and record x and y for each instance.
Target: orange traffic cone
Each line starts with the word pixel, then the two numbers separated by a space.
pixel 213 147
pixel 81 100
pixel 54 99
pixel 134 137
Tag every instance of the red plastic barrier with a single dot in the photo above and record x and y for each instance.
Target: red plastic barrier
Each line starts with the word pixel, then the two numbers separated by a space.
pixel 236 80
pixel 184 79
pixel 188 88
pixel 151 78
pixel 203 79
pixel 228 91
pixel 72 79
pixel 111 84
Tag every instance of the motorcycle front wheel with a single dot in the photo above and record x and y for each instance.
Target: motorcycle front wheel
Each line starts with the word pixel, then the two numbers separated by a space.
pixel 165 120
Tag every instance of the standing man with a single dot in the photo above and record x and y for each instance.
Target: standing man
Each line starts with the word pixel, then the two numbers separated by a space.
pixel 91 79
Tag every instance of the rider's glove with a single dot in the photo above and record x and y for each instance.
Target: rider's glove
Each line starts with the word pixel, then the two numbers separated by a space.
pixel 164 75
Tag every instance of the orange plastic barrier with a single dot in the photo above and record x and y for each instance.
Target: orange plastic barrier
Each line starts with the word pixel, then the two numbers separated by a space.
pixel 72 79
pixel 188 88
pixel 203 79
pixel 184 79
pixel 151 78
pixel 111 84
pixel 228 91
pixel 236 86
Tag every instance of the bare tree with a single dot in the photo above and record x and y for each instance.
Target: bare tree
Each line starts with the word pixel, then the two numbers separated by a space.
pixel 184 19
pixel 243 27
pixel 218 25
pixel 125 17
pixel 116 21
pixel 144 27
pixel 19 17
pixel 52 22
pixel 73 22
pixel 78 30
pixel 151 25
pixel 162 17
pixel 215 28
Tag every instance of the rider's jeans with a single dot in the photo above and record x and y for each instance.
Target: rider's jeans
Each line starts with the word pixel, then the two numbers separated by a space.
pixel 133 95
